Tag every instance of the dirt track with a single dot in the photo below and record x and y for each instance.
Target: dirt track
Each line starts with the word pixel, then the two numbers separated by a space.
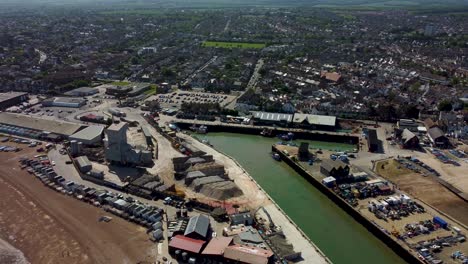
pixel 49 227
pixel 426 189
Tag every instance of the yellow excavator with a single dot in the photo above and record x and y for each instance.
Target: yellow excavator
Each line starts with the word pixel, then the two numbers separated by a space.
pixel 395 232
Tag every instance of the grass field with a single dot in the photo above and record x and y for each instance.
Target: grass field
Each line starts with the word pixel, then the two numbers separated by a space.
pixel 120 83
pixel 151 91
pixel 229 45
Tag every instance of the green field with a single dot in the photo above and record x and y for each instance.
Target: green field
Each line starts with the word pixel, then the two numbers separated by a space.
pixel 120 83
pixel 151 91
pixel 229 45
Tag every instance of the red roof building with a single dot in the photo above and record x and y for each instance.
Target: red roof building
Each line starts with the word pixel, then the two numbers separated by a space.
pixel 330 76
pixel 186 244
pixel 245 254
pixel 217 245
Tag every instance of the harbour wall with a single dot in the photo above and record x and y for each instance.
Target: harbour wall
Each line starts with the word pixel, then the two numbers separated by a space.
pixel 298 133
pixel 368 224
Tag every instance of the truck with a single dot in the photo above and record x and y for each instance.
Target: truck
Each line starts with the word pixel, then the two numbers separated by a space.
pixel 116 112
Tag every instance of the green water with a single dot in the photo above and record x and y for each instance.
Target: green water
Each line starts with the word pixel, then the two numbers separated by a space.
pixel 338 235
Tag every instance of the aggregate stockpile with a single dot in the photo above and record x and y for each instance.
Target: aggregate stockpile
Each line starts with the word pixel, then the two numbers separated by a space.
pixel 205 176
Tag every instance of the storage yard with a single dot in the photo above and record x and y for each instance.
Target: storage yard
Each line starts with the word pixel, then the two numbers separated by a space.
pixel 424 188
pixel 425 232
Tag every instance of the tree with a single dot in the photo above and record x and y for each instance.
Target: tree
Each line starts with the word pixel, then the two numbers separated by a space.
pixel 387 112
pixel 409 111
pixel 167 72
pixel 445 105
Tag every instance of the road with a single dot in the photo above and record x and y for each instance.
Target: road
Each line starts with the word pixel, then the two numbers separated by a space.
pixel 251 84
pixel 201 68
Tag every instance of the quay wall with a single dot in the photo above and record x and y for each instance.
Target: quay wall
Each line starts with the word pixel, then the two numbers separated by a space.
pixel 298 133
pixel 368 224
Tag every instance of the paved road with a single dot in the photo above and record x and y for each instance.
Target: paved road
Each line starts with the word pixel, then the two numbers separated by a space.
pixel 252 82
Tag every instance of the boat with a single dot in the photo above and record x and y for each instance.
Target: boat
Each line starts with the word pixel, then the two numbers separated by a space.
pixel 202 129
pixel 276 156
pixel 267 132
pixel 207 142
pixel 286 137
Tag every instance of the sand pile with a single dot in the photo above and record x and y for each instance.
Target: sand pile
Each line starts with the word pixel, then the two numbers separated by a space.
pixel 222 190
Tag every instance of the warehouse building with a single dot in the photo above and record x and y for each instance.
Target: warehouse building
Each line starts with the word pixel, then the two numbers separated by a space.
pixel 91 135
pixel 438 138
pixel 24 125
pixel 320 122
pixel 12 98
pixel 245 218
pixel 118 90
pixel 409 124
pixel 265 118
pixel 83 91
pixel 128 90
pixel 181 243
pixel 198 227
pixel 216 247
pixel 64 102
pixel 409 140
pixel 334 168
pixel 83 163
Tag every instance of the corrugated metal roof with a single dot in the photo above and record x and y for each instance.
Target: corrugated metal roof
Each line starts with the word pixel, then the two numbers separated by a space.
pixel 88 133
pixel 272 116
pixel 217 246
pixel 53 126
pixel 83 161
pixel 187 244
pixel 198 224
pixel 315 119
pixel 10 95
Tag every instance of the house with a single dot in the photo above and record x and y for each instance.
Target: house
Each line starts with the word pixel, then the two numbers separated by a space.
pixel 409 140
pixel 334 168
pixel 333 77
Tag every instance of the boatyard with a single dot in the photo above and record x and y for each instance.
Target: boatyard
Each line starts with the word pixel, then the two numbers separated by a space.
pixel 405 224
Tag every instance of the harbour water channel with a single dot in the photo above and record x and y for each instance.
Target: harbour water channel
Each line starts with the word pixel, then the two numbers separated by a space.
pixel 336 233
